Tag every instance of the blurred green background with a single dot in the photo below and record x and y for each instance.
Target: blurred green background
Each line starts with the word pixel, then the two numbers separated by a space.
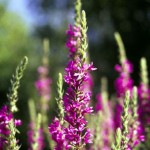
pixel 22 33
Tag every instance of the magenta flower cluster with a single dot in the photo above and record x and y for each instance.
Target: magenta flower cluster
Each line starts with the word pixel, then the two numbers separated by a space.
pixel 59 135
pixel 74 35
pixel 76 102
pixel 5 117
pixel 136 135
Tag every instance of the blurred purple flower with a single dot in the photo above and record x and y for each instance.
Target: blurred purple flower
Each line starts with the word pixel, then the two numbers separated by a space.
pixel 99 106
pixel 144 108
pixel 42 70
pixel 43 85
pixel 106 126
pixel 122 84
pixel 117 117
pixel 135 135
pixel 73 42
pixel 78 94
pixel 39 140
pixel 144 104
pixel 124 81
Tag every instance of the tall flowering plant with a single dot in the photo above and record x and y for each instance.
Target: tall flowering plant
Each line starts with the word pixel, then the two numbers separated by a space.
pixel 130 134
pixel 144 94
pixel 8 124
pixel 124 81
pixel 144 101
pixel 136 134
pixel 43 86
pixel 104 131
pixel 76 101
pixel 122 84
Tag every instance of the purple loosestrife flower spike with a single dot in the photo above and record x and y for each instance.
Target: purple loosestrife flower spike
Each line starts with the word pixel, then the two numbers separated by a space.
pixel 124 82
pixel 144 95
pixel 36 135
pixel 44 82
pixel 12 143
pixel 75 134
pixel 35 132
pixel 35 138
pixel 74 32
pixel 144 101
pixel 43 86
pixel 57 129
pixel 89 83
pixel 136 134
pixel 76 101
pixel 106 122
